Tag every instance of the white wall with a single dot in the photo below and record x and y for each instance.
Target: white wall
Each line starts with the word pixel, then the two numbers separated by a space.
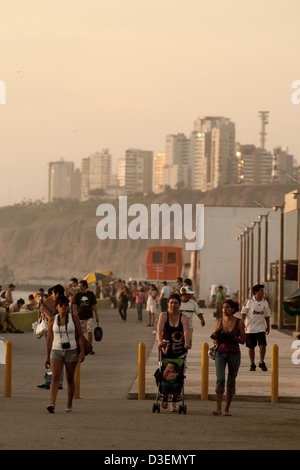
pixel 220 255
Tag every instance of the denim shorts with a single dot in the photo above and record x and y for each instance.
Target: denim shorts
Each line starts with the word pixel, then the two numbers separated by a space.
pixel 65 355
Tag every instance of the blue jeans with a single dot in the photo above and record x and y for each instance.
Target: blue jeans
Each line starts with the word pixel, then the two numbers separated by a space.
pixel 233 361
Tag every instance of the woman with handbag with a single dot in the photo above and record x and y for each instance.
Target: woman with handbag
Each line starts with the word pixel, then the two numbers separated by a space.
pixel 62 349
pixel 229 334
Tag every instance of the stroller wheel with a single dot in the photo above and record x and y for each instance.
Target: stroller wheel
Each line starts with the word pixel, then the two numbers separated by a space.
pixel 184 410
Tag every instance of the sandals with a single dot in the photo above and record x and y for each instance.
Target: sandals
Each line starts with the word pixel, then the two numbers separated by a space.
pixel 50 408
pixel 173 408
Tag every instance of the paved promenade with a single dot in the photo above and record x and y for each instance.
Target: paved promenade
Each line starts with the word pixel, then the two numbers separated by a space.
pixel 105 419
pixel 250 385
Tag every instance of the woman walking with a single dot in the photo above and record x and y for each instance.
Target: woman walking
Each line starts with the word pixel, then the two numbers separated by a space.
pixel 63 331
pixel 229 334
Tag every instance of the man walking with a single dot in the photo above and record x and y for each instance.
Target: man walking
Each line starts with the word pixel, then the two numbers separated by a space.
pixel 256 316
pixel 85 306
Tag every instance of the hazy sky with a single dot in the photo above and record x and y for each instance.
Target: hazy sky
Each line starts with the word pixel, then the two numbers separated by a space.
pixel 125 73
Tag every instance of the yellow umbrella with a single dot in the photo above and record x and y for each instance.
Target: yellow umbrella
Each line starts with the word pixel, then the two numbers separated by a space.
pixel 96 276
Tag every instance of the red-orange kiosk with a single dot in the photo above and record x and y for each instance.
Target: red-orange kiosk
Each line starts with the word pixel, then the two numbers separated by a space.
pixel 164 263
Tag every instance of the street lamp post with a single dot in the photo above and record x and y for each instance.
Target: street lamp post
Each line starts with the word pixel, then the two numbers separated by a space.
pixel 280 277
pixel 251 253
pixel 240 238
pixel 265 245
pixel 258 251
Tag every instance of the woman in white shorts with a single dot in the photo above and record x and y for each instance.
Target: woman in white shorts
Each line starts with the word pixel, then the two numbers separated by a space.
pixel 151 304
pixel 64 330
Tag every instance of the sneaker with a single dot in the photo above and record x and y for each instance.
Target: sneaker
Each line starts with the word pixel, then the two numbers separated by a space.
pixel 263 366
pixel 252 367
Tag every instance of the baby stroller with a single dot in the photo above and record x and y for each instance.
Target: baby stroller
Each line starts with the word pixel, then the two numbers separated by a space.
pixel 177 384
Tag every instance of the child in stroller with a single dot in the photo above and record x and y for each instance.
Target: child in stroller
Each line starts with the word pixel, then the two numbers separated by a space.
pixel 170 384
pixel 170 381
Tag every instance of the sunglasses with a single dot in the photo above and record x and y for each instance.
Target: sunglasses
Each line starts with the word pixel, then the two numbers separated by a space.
pixel 63 305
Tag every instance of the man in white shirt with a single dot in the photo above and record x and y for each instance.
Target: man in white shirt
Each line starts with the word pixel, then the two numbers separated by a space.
pixel 188 307
pixel 256 316
pixel 164 295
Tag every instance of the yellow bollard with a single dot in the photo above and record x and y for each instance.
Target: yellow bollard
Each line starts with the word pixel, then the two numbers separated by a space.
pixel 142 372
pixel 274 373
pixel 8 369
pixel 77 381
pixel 204 376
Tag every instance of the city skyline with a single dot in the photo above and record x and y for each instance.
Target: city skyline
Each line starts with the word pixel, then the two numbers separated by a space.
pixel 118 75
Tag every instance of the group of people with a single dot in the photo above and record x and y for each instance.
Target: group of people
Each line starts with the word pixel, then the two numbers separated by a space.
pixel 174 337
pixel 8 306
pixel 146 296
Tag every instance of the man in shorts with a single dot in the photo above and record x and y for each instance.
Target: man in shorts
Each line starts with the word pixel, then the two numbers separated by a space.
pixel 256 316
pixel 85 306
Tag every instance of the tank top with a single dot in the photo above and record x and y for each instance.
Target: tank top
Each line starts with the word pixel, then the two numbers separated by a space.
pixel 227 344
pixel 175 336
pixel 61 334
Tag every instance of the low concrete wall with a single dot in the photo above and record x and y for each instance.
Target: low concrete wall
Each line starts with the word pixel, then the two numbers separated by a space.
pixel 24 320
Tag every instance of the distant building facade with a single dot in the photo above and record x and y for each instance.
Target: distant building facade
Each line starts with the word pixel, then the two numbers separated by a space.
pixel 63 181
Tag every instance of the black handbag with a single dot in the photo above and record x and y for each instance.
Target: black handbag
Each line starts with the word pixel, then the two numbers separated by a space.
pixel 98 333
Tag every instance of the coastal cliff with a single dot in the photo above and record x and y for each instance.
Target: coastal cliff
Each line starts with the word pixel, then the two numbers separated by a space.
pixel 59 239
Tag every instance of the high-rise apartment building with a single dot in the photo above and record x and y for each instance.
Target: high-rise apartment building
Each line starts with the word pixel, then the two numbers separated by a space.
pixel 282 165
pixel 95 172
pixel 214 152
pixel 62 181
pixel 121 172
pixel 177 161
pixel 138 171
pixel 159 163
pixel 100 170
pixel 254 165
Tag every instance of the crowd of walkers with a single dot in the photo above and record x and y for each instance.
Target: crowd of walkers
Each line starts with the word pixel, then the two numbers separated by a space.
pixel 70 312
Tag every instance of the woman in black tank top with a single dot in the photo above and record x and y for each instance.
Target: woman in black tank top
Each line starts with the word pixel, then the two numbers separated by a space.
pixel 173 331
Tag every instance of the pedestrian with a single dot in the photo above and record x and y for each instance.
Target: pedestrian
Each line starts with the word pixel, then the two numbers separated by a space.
pixel 139 300
pixel 220 296
pixel 123 303
pixel 48 309
pixel 173 330
pixel 85 306
pixel 256 316
pixel 229 334
pixel 189 307
pixel 62 350
pixel 164 295
pixel 151 304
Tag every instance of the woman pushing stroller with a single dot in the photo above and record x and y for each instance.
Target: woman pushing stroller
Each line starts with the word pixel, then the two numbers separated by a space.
pixel 173 337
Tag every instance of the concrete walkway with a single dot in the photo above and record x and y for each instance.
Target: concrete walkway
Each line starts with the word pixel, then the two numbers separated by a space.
pixel 250 385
